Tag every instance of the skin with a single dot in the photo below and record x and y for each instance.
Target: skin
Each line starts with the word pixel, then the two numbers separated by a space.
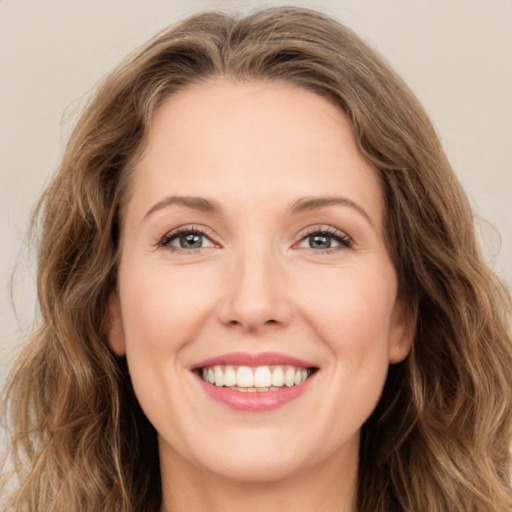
pixel 256 149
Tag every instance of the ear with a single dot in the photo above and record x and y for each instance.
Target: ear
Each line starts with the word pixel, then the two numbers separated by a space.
pixel 113 326
pixel 401 333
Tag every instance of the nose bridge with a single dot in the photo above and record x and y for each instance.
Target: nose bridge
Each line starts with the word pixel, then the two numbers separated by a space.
pixel 256 291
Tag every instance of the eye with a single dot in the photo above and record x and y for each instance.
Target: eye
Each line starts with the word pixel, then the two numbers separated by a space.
pixel 186 239
pixel 325 239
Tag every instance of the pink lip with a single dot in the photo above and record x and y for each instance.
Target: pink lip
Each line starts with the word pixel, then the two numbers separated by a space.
pixel 245 359
pixel 258 401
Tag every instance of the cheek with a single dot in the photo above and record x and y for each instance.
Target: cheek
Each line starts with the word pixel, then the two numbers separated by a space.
pixel 162 311
pixel 351 313
pixel 163 308
pixel 355 329
pixel 353 309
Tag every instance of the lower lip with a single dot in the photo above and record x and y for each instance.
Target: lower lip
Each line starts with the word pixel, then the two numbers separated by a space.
pixel 257 401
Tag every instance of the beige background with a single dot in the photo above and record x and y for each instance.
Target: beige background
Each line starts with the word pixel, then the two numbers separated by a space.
pixel 455 54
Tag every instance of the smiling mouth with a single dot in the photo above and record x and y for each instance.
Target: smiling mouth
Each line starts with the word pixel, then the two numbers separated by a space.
pixel 255 378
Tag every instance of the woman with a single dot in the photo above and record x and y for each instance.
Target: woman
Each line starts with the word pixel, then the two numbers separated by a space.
pixel 260 287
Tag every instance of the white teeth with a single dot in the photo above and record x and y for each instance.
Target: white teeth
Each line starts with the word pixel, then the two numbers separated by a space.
pixel 278 377
pixel 244 377
pixel 219 376
pixel 229 376
pixel 289 377
pixel 261 378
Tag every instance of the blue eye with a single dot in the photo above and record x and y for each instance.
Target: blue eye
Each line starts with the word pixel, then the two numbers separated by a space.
pixel 186 239
pixel 322 240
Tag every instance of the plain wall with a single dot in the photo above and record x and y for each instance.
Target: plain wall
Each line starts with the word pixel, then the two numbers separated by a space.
pixel 455 55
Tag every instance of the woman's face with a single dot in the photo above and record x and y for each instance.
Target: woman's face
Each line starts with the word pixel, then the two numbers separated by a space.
pixel 253 256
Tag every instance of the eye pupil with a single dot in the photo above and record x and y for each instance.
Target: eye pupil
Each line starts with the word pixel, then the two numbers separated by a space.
pixel 191 241
pixel 320 241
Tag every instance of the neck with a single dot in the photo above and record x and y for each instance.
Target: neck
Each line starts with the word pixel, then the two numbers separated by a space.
pixel 330 487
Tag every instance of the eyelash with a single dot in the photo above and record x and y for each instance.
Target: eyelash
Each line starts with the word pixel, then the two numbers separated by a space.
pixel 166 240
pixel 344 240
pixel 339 236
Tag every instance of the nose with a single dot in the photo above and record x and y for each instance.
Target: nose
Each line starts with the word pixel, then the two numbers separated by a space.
pixel 255 296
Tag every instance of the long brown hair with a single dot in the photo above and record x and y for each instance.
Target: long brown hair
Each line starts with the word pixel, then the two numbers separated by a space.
pixel 438 440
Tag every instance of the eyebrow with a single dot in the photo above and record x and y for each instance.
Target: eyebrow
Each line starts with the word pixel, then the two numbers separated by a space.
pixel 315 203
pixel 302 205
pixel 194 203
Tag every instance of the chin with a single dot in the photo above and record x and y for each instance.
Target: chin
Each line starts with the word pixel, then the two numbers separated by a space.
pixel 257 469
pixel 259 457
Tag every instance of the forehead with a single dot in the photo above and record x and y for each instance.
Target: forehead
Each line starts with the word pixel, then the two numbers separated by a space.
pixel 242 141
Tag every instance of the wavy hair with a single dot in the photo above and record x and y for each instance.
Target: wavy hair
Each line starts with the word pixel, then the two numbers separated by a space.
pixel 438 439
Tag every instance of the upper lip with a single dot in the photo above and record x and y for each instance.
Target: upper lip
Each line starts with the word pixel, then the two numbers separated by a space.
pixel 261 359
